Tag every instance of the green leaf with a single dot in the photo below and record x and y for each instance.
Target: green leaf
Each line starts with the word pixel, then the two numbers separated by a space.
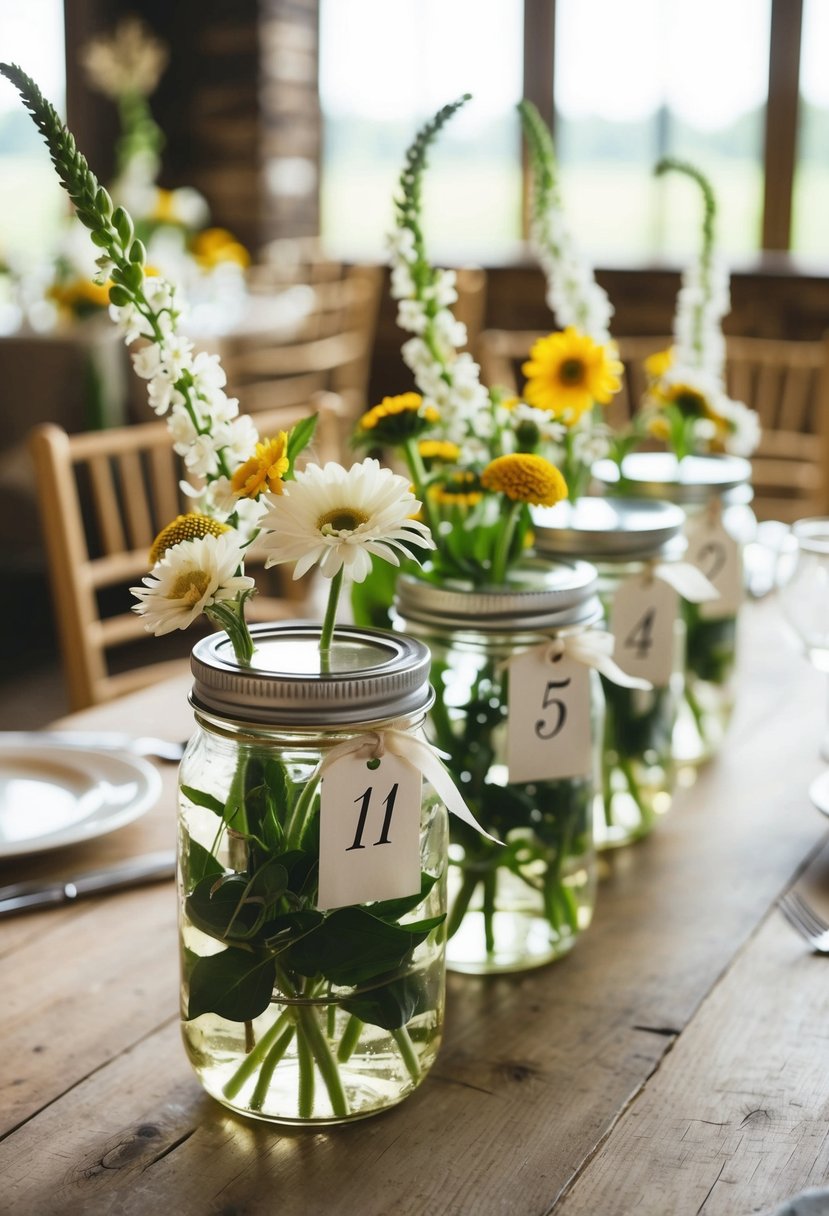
pixel 390 1007
pixel 352 946
pixel 393 909
pixel 422 928
pixel 201 863
pixel 281 929
pixel 199 797
pixel 215 907
pixel 372 599
pixel 235 984
pixel 299 438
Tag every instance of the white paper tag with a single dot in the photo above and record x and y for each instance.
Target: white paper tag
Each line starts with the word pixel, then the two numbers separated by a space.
pixel 548 726
pixel 717 554
pixel 369 831
pixel 642 619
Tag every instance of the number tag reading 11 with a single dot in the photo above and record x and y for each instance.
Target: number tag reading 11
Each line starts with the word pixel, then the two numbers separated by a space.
pixel 548 725
pixel 369 831
pixel 715 552
pixel 642 623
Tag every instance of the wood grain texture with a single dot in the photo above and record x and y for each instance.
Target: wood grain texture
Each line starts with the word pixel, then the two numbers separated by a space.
pixel 536 1071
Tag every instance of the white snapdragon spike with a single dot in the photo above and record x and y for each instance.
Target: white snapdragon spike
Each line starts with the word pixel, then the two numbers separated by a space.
pixel 189 578
pixel 573 294
pixel 340 518
pixel 703 301
pixel 744 427
pixel 547 426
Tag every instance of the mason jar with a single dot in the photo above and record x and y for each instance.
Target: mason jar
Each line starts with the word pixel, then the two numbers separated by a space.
pixel 630 542
pixel 519 725
pixel 312 876
pixel 715 494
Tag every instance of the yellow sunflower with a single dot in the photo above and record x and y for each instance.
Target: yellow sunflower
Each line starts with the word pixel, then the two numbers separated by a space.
pixel 438 449
pixel 567 372
pixel 396 419
pixel 658 363
pixel 263 470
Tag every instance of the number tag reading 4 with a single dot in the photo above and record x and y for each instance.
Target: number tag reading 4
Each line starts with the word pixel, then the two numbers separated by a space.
pixel 716 553
pixel 642 623
pixel 548 732
pixel 369 831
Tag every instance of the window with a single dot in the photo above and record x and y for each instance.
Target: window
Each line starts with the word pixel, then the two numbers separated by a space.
pixel 650 78
pixel 810 225
pixel 31 199
pixel 384 69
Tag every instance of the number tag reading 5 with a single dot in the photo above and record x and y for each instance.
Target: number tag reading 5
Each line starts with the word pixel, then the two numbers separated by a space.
pixel 716 553
pixel 369 831
pixel 642 623
pixel 548 730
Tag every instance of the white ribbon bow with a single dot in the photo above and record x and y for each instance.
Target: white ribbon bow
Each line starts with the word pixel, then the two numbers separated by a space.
pixel 594 648
pixel 688 580
pixel 416 752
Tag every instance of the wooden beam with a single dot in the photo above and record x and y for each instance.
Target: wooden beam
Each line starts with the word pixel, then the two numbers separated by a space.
pixel 539 68
pixel 781 121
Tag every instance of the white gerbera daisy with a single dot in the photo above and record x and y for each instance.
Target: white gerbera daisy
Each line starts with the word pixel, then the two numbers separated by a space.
pixel 189 578
pixel 341 518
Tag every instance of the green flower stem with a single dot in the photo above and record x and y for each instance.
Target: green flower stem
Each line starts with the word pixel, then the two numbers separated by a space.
pixel 667 165
pixel 272 1059
pixel 350 1039
pixel 503 543
pixel 490 885
pixel 254 1058
pixel 326 1063
pixel 417 473
pixel 331 1019
pixel 295 827
pixel 330 618
pixel 457 912
pixel 407 1051
pixel 305 1059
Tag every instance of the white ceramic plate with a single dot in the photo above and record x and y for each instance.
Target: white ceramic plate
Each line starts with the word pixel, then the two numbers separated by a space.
pixel 52 796
pixel 819 792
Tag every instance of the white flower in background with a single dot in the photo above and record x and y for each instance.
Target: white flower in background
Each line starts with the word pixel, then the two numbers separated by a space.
pixel 339 518
pixel 702 302
pixel 130 60
pixel 189 578
pixel 744 427
pixel 545 423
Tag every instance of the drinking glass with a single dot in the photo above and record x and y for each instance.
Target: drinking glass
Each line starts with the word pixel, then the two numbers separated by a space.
pixel 804 599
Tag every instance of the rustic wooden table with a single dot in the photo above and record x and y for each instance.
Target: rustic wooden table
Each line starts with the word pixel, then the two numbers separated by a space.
pixel 677 1062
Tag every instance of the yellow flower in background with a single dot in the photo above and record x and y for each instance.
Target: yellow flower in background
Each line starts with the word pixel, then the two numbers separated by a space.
pixel 164 207
pixel 462 490
pixel 567 372
pixel 690 401
pixel 80 295
pixel 215 245
pixel 184 527
pixel 396 419
pixel 439 449
pixel 659 428
pixel 525 477
pixel 509 403
pixel 658 363
pixel 263 470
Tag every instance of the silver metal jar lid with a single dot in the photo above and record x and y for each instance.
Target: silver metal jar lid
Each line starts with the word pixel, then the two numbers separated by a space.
pixel 602 528
pixel 374 676
pixel 695 479
pixel 538 595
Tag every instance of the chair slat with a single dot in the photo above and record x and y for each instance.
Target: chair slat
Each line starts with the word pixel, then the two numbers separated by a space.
pixel 107 505
pixel 139 526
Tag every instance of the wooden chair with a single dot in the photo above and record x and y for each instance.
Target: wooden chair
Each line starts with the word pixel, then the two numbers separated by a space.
pixel 331 351
pixel 786 382
pixel 470 307
pixel 287 260
pixel 104 496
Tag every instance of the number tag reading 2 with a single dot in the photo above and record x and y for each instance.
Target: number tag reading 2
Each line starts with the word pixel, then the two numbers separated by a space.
pixel 369 831
pixel 716 553
pixel 642 623
pixel 548 732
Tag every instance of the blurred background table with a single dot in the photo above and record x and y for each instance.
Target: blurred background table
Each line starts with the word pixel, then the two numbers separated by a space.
pixel 677 1062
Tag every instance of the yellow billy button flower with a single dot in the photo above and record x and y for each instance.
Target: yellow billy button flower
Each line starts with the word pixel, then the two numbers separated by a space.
pixel 397 419
pixel 439 449
pixel 658 363
pixel 184 527
pixel 263 470
pixel 525 477
pixel 659 428
pixel 567 372
pixel 462 490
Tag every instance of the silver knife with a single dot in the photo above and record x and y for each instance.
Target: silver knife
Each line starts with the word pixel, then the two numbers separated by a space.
pixel 28 896
pixel 106 740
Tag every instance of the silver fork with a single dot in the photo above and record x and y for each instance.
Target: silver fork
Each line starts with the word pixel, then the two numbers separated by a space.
pixel 806 921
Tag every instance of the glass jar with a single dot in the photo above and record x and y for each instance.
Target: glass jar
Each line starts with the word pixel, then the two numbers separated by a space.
pixel 626 539
pixel 295 1008
pixel 715 494
pixel 522 903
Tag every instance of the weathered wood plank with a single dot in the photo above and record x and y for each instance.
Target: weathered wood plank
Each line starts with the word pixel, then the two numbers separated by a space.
pixel 737 1117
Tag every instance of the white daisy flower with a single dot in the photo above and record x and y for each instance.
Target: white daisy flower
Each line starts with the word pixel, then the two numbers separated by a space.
pixel 190 577
pixel 341 518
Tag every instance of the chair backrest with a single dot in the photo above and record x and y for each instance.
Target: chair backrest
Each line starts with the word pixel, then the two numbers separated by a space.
pixel 104 496
pixel 288 260
pixel 786 382
pixel 470 307
pixel 330 350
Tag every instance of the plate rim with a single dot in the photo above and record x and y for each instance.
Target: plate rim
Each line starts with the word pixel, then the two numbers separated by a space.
pixel 93 826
